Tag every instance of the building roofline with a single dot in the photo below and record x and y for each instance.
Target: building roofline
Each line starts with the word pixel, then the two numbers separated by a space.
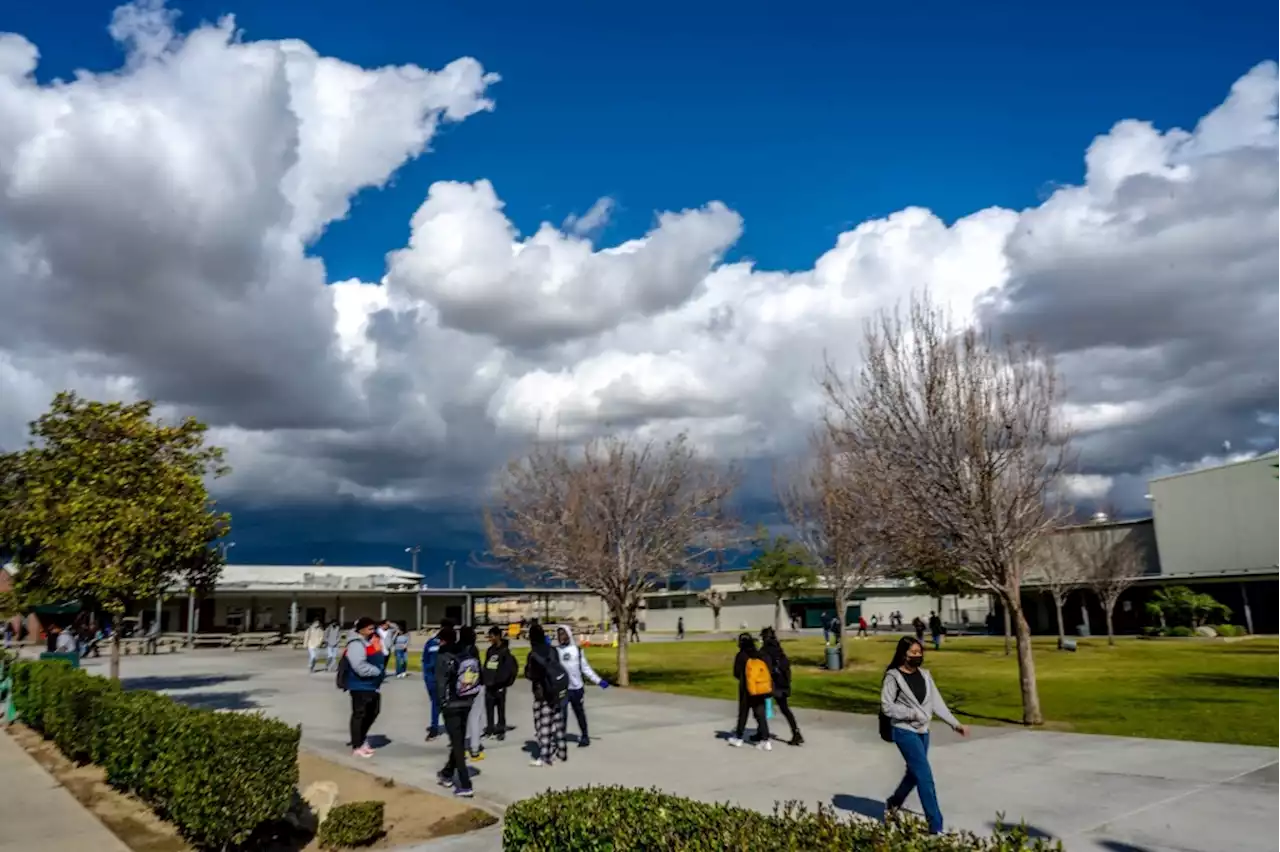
pixel 1273 454
pixel 1085 525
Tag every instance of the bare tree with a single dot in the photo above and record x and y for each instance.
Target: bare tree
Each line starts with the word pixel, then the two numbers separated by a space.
pixel 1056 565
pixel 836 517
pixel 713 598
pixel 614 518
pixel 1110 561
pixel 964 433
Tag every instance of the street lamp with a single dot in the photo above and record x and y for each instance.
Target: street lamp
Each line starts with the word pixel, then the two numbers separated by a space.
pixel 224 546
pixel 415 550
pixel 450 564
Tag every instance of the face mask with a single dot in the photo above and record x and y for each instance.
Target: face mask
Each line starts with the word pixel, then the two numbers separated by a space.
pixel 915 662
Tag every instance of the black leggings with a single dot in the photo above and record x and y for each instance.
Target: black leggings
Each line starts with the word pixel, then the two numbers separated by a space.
pixel 495 708
pixel 754 704
pixel 365 707
pixel 455 768
pixel 785 709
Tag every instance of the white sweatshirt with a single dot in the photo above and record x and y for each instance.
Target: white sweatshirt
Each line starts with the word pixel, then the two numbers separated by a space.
pixel 575 662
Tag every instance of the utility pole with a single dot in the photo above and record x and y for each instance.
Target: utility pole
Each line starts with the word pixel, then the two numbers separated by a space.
pixel 415 550
pixel 450 564
pixel 224 546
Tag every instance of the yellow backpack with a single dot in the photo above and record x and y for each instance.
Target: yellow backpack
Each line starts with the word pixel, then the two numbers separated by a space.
pixel 759 681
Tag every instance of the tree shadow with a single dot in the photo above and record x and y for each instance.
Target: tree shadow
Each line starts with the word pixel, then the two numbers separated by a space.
pixel 861 805
pixel 178 682
pixel 1006 720
pixel 1120 846
pixel 222 700
pixel 1227 680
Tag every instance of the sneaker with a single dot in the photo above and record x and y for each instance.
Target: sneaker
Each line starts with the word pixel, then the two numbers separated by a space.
pixel 433 733
pixel 500 737
pixel 477 755
pixel 444 781
pixel 736 742
pixel 796 740
pixel 363 751
pixel 584 742
pixel 764 745
pixel 463 793
pixel 538 762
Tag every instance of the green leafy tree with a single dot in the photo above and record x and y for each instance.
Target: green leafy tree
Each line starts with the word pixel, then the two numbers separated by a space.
pixel 782 569
pixel 109 505
pixel 1182 607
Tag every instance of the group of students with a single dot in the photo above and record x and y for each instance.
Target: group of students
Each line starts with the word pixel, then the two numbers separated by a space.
pixel 909 700
pixel 455 678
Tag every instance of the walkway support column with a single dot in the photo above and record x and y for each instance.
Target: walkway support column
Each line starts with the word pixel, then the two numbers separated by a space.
pixel 1248 613
pixel 191 617
pixel 383 616
pixel 293 615
pixel 160 610
pixel 418 598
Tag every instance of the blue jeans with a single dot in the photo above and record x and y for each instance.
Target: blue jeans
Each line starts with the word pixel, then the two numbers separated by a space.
pixel 434 695
pixel 915 751
pixel 402 662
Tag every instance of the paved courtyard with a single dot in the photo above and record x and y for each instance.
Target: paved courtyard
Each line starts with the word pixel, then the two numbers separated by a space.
pixel 1095 793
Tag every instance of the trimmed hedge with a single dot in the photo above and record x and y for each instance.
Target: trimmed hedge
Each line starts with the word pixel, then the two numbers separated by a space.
pixel 216 776
pixel 351 825
pixel 620 819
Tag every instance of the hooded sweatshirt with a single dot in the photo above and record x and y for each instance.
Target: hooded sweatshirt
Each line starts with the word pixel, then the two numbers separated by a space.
pixel 779 666
pixel 448 656
pixel 499 666
pixel 899 703
pixel 740 670
pixel 575 662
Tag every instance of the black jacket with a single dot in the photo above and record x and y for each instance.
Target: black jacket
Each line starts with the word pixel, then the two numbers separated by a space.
pixel 740 671
pixel 535 668
pixel 500 667
pixel 779 667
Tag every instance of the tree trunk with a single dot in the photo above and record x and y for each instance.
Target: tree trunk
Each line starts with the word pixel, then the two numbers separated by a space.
pixel 1008 631
pixel 777 615
pixel 115 650
pixel 1109 604
pixel 844 633
pixel 624 634
pixel 1058 601
pixel 715 619
pixel 1026 667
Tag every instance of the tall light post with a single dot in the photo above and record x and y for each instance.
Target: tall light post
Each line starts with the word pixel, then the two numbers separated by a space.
pixel 450 564
pixel 224 546
pixel 415 550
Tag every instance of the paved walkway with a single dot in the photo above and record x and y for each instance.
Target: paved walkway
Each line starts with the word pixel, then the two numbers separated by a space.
pixel 1095 793
pixel 36 812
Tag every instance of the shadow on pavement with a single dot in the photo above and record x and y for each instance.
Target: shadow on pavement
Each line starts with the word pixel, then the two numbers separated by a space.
pixel 172 683
pixel 859 805
pixel 1120 846
pixel 379 741
pixel 222 700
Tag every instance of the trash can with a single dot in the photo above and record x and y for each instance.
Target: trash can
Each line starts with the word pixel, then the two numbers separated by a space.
pixel 70 657
pixel 835 658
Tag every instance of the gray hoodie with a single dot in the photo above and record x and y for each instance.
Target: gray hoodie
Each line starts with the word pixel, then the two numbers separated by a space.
pixel 899 703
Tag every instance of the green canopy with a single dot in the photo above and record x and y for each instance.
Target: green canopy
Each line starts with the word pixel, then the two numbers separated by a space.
pixel 67 608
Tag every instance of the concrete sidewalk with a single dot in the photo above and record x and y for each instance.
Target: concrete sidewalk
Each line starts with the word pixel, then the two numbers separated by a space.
pixel 36 812
pixel 1095 793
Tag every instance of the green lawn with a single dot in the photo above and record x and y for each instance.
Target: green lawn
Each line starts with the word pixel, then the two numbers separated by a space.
pixel 1204 690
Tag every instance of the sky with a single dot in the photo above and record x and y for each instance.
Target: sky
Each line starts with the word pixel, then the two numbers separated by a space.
pixel 378 249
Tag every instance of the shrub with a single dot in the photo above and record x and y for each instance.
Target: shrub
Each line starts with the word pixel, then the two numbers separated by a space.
pixel 1230 630
pixel 216 776
pixel 1181 632
pixel 619 819
pixel 350 825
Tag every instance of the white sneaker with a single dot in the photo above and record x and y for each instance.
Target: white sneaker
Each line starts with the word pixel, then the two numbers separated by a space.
pixel 537 761
pixel 764 745
pixel 736 742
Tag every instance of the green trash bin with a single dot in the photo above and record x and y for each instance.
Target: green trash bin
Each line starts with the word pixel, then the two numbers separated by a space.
pixel 835 658
pixel 70 657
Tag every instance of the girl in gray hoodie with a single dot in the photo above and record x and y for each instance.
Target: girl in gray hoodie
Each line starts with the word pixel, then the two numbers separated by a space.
pixel 910 700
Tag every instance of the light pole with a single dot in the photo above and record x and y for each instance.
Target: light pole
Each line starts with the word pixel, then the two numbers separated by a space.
pixel 224 546
pixel 415 550
pixel 450 564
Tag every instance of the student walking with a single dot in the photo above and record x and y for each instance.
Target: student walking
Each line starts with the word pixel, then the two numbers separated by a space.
pixel 574 662
pixel 918 625
pixel 475 718
pixel 909 700
pixel 458 677
pixel 680 627
pixel 361 672
pixel 332 639
pixel 312 640
pixel 755 685
pixel 826 628
pixel 500 671
pixel 936 630
pixel 862 627
pixel 430 650
pixel 400 644
pixel 780 671
pixel 550 691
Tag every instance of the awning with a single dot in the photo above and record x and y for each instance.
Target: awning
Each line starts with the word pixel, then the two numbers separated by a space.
pixel 68 608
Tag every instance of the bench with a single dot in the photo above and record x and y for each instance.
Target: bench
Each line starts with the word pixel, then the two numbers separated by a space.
pixel 210 640
pixel 254 640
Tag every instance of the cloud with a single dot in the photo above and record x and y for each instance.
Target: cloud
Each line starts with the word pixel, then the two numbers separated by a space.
pixel 156 224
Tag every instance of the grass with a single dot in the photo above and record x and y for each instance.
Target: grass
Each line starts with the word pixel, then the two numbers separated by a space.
pixel 1203 690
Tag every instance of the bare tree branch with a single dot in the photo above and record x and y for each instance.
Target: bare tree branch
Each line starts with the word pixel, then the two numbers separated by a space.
pixel 1110 560
pixel 613 518
pixel 1055 565
pixel 963 437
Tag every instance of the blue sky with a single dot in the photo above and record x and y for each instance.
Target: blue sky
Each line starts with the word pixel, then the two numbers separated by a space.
pixel 806 118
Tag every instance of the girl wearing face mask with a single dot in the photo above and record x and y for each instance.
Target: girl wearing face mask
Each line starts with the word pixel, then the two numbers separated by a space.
pixel 910 699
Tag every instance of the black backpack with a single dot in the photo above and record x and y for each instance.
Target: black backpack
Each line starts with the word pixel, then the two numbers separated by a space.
pixel 555 680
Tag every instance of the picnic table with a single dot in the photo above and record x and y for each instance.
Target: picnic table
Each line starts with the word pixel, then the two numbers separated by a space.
pixel 244 641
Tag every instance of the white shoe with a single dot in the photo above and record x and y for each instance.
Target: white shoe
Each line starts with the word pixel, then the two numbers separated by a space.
pixel 736 742
pixel 764 745
pixel 537 762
